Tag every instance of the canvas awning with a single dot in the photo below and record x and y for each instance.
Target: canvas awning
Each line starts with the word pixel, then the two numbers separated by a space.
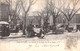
pixel 3 22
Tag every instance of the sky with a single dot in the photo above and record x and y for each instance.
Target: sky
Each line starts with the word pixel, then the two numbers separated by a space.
pixel 39 5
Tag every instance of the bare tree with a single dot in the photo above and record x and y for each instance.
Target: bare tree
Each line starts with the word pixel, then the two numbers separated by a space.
pixel 26 9
pixel 49 10
pixel 13 12
pixel 54 11
pixel 46 14
pixel 69 11
pixel 43 16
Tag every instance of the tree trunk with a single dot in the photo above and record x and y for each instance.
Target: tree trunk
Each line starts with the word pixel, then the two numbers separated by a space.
pixel 23 30
pixel 68 23
pixel 68 28
pixel 24 25
pixel 54 24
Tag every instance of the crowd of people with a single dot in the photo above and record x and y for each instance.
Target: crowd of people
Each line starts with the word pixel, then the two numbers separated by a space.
pixel 35 30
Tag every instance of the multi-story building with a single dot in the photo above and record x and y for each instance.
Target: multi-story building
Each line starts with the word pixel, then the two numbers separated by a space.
pixel 4 12
pixel 74 20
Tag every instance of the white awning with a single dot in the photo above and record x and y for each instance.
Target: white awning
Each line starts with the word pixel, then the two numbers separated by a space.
pixel 3 22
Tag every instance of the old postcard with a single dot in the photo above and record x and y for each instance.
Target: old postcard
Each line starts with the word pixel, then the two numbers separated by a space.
pixel 39 25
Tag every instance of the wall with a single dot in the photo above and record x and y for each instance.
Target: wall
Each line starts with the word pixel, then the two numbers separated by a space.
pixel 4 11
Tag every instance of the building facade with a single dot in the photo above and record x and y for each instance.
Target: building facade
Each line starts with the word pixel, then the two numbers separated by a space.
pixel 4 12
pixel 74 20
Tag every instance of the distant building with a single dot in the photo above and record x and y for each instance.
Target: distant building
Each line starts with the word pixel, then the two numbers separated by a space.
pixel 74 20
pixel 4 12
pixel 32 19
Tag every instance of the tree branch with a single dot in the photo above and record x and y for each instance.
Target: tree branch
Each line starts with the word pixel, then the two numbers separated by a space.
pixel 74 13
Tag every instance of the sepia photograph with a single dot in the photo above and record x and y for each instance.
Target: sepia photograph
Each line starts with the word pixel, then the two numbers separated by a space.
pixel 39 25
